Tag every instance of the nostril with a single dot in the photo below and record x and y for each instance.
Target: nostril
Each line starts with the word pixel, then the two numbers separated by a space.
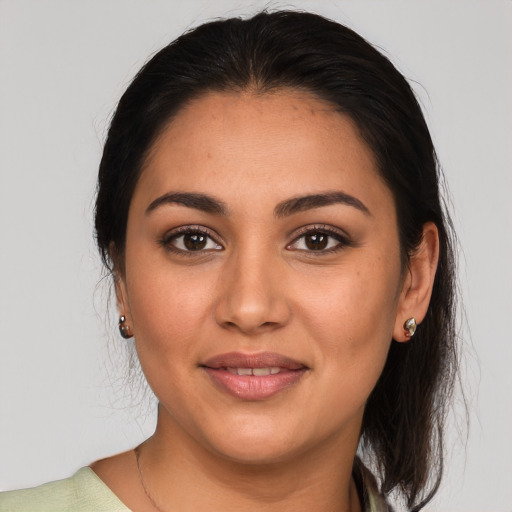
pixel 250 327
pixel 251 309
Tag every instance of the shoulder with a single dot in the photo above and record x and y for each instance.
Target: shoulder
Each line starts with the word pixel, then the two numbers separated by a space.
pixel 83 492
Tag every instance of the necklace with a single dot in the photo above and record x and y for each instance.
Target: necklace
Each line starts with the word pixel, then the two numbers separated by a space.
pixel 141 479
pixel 156 507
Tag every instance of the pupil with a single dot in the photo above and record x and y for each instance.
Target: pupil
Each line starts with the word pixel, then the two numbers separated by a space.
pixel 316 241
pixel 194 241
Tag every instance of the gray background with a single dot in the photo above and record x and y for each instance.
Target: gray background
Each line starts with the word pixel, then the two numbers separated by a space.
pixel 63 66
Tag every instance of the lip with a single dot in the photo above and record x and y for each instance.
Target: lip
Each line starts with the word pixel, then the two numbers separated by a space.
pixel 253 387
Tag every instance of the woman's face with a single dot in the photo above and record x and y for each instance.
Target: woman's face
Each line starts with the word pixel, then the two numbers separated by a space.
pixel 262 274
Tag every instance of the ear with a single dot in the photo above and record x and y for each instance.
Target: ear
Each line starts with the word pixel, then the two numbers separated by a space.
pixel 418 282
pixel 118 273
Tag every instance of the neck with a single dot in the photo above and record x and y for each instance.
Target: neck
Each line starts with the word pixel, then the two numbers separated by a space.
pixel 180 474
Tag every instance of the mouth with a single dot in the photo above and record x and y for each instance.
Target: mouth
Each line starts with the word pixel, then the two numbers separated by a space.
pixel 253 376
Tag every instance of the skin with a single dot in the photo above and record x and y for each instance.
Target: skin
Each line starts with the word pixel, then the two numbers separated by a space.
pixel 257 287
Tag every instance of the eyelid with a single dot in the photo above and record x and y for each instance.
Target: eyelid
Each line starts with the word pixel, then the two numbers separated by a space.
pixel 326 228
pixel 343 238
pixel 165 240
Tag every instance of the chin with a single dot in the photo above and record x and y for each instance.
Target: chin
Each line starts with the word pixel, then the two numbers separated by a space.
pixel 258 446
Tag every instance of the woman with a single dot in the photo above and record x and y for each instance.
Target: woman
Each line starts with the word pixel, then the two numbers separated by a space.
pixel 268 206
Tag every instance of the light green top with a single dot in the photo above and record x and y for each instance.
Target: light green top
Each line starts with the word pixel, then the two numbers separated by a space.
pixel 83 492
pixel 86 492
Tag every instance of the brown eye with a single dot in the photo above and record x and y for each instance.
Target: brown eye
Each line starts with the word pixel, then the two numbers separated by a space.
pixel 189 241
pixel 320 240
pixel 194 241
pixel 316 241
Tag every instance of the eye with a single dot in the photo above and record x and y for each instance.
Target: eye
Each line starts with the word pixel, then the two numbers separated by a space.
pixel 187 240
pixel 319 240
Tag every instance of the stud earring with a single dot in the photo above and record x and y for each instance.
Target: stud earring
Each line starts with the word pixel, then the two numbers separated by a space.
pixel 124 330
pixel 410 327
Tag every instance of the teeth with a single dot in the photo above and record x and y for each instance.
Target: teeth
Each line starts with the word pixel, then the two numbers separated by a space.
pixel 259 372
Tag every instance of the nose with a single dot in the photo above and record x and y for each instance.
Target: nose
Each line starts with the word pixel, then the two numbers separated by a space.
pixel 252 295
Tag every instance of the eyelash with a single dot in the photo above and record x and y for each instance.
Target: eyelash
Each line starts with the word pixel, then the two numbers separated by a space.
pixel 166 241
pixel 343 240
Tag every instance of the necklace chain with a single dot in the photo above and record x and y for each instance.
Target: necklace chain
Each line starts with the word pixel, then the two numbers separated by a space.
pixel 141 478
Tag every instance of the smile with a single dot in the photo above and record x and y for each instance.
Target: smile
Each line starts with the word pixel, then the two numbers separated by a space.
pixel 253 376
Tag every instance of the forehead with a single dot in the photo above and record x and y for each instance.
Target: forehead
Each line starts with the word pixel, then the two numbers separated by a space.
pixel 280 144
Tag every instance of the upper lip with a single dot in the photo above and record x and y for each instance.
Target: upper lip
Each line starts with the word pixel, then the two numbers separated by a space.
pixel 256 360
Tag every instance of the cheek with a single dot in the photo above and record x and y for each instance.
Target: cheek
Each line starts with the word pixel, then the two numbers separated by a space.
pixel 168 318
pixel 169 309
pixel 351 314
pixel 352 304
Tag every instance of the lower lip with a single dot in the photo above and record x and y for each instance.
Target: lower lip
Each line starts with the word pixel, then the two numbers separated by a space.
pixel 253 387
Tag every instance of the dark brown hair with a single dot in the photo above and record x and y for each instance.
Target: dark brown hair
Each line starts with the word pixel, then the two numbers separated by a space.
pixel 402 430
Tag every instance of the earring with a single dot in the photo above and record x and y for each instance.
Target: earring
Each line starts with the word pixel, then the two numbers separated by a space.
pixel 410 327
pixel 124 330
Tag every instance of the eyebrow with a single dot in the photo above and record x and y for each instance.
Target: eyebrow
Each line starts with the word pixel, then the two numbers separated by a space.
pixel 286 208
pixel 309 202
pixel 201 202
